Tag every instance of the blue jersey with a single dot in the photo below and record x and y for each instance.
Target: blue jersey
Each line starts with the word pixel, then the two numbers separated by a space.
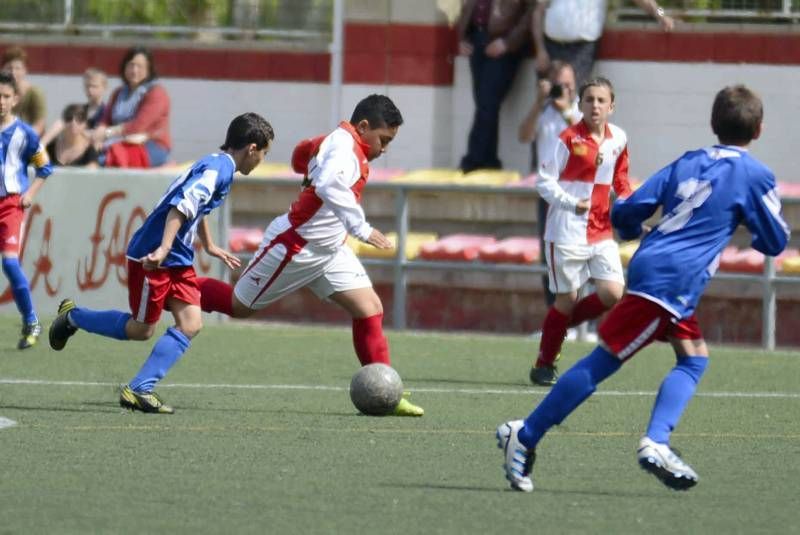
pixel 704 196
pixel 19 148
pixel 194 194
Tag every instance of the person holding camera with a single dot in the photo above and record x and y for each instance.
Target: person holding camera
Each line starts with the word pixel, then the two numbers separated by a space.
pixel 588 163
pixel 555 109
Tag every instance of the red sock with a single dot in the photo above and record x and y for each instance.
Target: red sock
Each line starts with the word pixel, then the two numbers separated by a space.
pixel 215 295
pixel 554 330
pixel 588 308
pixel 371 346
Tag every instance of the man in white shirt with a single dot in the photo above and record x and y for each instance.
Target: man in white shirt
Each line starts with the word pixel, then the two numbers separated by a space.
pixel 570 29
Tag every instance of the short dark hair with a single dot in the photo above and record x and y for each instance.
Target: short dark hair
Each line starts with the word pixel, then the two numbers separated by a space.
pixel 598 81
pixel 7 79
pixel 248 128
pixel 72 111
pixel 130 54
pixel 736 115
pixel 378 110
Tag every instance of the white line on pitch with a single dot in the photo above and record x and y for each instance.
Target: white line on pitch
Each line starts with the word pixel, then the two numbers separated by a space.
pixel 5 422
pixel 478 391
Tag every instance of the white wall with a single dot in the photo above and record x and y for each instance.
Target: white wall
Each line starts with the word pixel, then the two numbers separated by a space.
pixel 664 107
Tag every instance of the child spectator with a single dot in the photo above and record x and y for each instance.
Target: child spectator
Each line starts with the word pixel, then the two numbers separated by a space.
pixel 72 146
pixel 95 84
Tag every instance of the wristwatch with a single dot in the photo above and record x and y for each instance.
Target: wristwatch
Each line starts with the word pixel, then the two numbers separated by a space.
pixel 659 12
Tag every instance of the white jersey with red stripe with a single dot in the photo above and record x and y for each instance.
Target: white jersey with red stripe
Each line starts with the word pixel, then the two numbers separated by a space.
pixel 328 208
pixel 580 168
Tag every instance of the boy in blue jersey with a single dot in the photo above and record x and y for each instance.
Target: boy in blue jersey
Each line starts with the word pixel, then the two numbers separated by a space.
pixel 160 256
pixel 704 195
pixel 19 148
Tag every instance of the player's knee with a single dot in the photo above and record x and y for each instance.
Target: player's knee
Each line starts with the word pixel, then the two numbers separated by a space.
pixel 140 331
pixel 240 310
pixel 192 329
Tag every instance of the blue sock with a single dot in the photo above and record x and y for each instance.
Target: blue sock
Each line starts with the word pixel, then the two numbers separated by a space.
pixel 572 388
pixel 167 351
pixel 20 289
pixel 676 390
pixel 109 323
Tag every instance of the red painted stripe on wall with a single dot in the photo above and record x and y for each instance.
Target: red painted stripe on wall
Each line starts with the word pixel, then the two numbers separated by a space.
pixel 403 54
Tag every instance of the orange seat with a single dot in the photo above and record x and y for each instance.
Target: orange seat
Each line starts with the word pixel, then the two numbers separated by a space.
pixel 458 247
pixel 514 250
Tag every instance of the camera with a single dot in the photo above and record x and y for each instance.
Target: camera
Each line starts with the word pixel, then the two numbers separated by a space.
pixel 556 91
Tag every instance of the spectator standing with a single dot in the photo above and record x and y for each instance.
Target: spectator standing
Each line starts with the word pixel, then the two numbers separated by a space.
pixel 72 145
pixel 135 126
pixel 31 106
pixel 569 30
pixel 493 34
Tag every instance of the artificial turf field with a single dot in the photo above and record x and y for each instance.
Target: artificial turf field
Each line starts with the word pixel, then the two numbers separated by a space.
pixel 265 440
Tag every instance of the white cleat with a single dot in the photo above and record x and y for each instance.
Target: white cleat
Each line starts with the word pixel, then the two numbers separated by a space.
pixel 662 462
pixel 518 459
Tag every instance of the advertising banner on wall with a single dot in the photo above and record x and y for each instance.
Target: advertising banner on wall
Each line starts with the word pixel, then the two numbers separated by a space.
pixel 76 234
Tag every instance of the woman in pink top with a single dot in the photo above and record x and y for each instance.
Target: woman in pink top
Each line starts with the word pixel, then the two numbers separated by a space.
pixel 135 126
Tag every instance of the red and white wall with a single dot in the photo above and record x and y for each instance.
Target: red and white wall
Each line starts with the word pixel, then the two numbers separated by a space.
pixel 665 84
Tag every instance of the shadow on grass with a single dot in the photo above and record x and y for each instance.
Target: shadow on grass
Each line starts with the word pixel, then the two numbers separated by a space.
pixel 95 406
pixel 451 381
pixel 502 487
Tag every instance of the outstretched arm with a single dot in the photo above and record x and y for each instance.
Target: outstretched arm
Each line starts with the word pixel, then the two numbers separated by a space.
pixel 204 233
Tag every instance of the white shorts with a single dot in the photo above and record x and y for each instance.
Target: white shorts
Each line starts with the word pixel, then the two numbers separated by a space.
pixel 284 264
pixel 570 266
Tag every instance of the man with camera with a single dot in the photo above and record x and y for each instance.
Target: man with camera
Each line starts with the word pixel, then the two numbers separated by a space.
pixel 555 108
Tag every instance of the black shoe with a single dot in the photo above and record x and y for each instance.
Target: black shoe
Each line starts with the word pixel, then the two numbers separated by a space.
pixel 544 375
pixel 61 329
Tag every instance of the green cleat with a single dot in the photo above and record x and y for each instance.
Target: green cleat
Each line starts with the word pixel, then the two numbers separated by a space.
pixel 406 408
pixel 143 401
pixel 61 329
pixel 30 335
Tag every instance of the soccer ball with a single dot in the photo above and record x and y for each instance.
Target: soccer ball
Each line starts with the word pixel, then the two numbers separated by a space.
pixel 376 389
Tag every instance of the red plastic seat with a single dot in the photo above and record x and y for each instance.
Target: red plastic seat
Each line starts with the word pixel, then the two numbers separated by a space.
pixel 514 250
pixel 244 239
pixel 457 247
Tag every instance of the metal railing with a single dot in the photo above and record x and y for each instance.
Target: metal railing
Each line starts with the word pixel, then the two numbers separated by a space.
pixel 401 266
pixel 715 11
pixel 289 20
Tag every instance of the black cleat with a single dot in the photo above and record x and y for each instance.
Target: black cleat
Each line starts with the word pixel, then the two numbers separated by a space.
pixel 61 329
pixel 544 375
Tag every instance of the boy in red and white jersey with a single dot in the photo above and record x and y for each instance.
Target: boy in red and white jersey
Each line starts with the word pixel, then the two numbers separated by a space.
pixel 306 246
pixel 589 160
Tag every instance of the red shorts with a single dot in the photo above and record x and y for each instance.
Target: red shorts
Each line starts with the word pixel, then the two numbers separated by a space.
pixel 148 291
pixel 11 216
pixel 635 322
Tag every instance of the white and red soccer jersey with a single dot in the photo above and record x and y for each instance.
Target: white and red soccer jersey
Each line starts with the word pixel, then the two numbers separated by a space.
pixel 581 169
pixel 328 208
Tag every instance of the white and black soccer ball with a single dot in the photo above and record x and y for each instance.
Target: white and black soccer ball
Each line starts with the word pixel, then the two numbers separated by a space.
pixel 376 389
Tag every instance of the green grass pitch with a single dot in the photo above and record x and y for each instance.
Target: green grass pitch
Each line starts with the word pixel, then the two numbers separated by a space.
pixel 265 440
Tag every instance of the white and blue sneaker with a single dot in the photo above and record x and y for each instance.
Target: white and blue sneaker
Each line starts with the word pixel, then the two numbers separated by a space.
pixel 661 461
pixel 518 459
